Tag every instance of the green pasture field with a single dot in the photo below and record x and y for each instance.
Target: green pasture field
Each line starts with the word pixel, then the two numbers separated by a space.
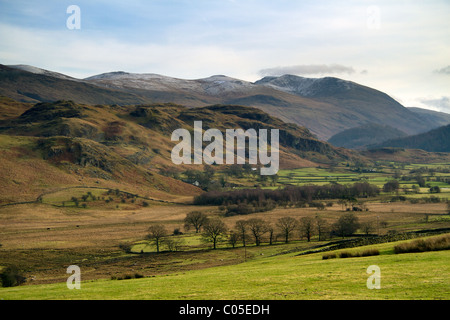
pixel 288 276
pixel 48 236
pixel 344 175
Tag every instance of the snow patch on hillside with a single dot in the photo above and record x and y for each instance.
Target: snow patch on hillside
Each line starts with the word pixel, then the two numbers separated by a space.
pixel 36 70
pixel 307 87
pixel 214 85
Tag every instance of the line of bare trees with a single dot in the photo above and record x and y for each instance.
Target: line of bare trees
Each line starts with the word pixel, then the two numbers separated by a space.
pixel 256 230
pixel 289 194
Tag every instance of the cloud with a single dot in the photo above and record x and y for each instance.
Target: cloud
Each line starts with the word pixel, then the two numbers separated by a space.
pixel 439 104
pixel 310 69
pixel 80 56
pixel 445 70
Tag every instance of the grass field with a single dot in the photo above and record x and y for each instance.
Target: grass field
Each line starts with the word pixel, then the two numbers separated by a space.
pixel 403 276
pixel 43 238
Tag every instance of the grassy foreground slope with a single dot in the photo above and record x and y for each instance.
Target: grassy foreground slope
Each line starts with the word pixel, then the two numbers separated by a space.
pixel 403 276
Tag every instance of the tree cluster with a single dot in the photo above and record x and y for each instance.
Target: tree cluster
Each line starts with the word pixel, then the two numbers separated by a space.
pixel 288 195
pixel 257 230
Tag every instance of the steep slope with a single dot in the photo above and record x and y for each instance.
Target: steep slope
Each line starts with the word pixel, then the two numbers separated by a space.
pixel 369 134
pixel 55 145
pixel 436 140
pixel 356 104
pixel 439 118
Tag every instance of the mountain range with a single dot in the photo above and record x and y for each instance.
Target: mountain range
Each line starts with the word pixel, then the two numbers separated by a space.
pixel 113 130
pixel 326 106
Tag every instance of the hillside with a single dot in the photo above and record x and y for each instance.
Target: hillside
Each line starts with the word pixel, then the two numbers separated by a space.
pixel 326 106
pixel 437 117
pixel 406 155
pixel 22 85
pixel 64 143
pixel 436 140
pixel 369 134
pixel 355 104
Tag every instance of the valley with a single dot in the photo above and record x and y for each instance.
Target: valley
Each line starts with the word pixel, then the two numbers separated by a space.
pixel 87 178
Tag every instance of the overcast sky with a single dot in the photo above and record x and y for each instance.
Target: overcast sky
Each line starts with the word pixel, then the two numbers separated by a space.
pixel 399 47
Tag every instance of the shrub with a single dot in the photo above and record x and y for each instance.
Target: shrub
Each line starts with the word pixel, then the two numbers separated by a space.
pixel 435 189
pixel 177 232
pixel 365 253
pixel 125 247
pixel 11 277
pixel 329 256
pixel 346 254
pixel 370 252
pixel 422 245
pixel 128 277
pixel 318 205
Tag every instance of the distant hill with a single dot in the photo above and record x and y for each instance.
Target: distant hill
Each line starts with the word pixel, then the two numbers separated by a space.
pixel 37 70
pixel 360 137
pixel 349 104
pixel 406 155
pixel 326 106
pixel 440 118
pixel 436 140
pixel 44 86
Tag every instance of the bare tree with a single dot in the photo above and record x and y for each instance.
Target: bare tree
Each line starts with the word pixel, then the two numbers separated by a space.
pixel 156 234
pixel 213 230
pixel 241 227
pixel 196 219
pixel 233 238
pixel 258 228
pixel 322 227
pixel 343 203
pixel 367 227
pixel 287 226
pixel 271 231
pixel 307 227
pixel 173 243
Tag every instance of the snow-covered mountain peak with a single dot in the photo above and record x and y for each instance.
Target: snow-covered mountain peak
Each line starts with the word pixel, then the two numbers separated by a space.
pixel 307 87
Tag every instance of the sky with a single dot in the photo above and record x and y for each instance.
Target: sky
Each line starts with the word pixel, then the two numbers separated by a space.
pixel 399 47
